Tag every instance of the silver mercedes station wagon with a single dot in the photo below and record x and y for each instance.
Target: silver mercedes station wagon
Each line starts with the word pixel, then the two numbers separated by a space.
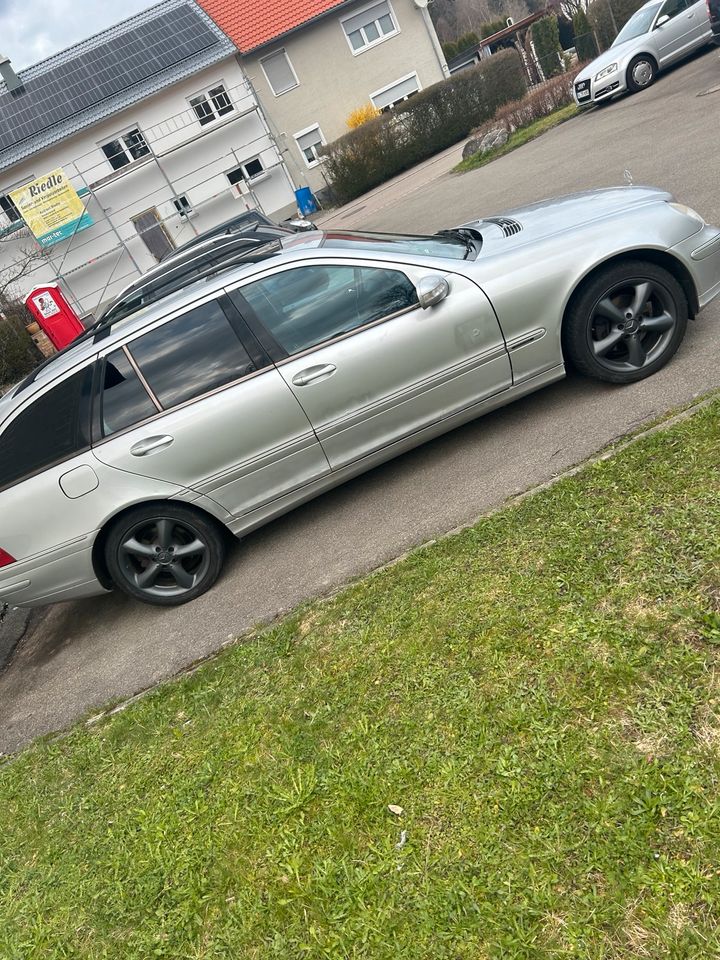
pixel 264 378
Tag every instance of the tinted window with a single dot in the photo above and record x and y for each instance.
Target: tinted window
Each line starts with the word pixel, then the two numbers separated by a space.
pixel 307 305
pixel 672 8
pixel 191 355
pixel 52 428
pixel 124 399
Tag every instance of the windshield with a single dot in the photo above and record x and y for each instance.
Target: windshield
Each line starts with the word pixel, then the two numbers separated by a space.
pixel 637 25
pixel 449 247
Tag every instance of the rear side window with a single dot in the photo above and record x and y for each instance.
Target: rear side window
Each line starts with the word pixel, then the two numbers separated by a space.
pixel 191 355
pixel 124 399
pixel 54 427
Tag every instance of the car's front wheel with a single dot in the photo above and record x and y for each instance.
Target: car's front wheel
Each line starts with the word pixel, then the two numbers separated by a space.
pixel 641 72
pixel 625 322
pixel 164 554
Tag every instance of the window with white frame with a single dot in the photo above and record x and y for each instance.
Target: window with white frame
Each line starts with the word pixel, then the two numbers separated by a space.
pixel 212 104
pixel 9 209
pixel 249 170
pixel 279 72
pixel 372 25
pixel 309 142
pixel 125 149
pixel 183 206
pixel 395 93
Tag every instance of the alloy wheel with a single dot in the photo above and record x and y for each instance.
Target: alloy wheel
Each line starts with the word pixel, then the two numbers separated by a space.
pixel 164 557
pixel 632 324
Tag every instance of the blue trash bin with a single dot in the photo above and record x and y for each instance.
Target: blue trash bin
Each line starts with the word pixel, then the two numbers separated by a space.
pixel 306 202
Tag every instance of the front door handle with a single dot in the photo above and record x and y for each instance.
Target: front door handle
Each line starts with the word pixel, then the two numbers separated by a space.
pixel 143 448
pixel 313 373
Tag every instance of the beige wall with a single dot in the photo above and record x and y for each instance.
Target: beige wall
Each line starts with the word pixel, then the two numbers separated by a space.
pixel 333 82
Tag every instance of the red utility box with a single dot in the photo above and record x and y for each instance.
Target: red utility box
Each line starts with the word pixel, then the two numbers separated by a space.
pixel 54 314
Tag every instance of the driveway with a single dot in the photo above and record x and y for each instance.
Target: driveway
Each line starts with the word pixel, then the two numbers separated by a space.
pixel 80 655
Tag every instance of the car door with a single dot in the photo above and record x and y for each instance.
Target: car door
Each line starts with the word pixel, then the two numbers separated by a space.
pixel 368 365
pixel 700 22
pixel 188 402
pixel 675 36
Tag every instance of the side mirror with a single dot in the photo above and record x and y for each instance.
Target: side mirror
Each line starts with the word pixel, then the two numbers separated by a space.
pixel 662 20
pixel 432 290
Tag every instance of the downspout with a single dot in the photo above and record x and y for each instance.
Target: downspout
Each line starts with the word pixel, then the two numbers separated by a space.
pixel 430 27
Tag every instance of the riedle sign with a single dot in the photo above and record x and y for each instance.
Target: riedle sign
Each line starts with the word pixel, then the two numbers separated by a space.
pixel 51 208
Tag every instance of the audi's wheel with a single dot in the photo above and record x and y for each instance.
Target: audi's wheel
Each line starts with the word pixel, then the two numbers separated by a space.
pixel 641 72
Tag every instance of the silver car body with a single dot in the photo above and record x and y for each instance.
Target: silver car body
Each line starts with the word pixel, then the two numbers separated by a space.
pixel 253 449
pixel 666 41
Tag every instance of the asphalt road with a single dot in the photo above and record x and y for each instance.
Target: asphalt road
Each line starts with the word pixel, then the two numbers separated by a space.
pixel 81 655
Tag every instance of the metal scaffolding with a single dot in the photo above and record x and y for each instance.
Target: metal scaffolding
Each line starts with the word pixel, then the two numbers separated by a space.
pixel 162 141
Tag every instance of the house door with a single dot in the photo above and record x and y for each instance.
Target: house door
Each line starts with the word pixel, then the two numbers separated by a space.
pixel 153 234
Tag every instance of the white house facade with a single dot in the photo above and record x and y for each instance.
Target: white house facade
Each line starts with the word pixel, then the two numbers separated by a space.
pixel 162 137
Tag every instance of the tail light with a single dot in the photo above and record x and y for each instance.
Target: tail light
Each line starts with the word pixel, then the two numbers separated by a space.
pixel 5 558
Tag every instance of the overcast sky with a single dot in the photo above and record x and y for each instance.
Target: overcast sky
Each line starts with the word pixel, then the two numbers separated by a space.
pixel 31 30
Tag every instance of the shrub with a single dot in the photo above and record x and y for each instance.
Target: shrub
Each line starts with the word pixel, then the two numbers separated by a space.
pixel 18 354
pixel 546 40
pixel 488 29
pixel 358 117
pixel 584 40
pixel 429 122
pixel 539 102
pixel 449 49
pixel 466 41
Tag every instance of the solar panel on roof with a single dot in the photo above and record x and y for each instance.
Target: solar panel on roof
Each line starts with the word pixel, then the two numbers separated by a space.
pixel 94 75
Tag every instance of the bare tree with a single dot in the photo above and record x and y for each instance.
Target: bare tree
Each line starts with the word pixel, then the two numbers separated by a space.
pixel 18 258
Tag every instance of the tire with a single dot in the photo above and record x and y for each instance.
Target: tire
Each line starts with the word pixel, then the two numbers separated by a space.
pixel 625 322
pixel 641 73
pixel 142 553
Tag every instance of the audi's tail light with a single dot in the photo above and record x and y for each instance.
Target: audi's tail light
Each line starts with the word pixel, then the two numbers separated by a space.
pixel 5 558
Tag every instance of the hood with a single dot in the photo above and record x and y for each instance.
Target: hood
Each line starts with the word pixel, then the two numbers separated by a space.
pixel 613 55
pixel 548 217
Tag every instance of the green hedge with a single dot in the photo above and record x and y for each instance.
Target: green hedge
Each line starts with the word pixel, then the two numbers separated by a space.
pixel 584 39
pixel 429 122
pixel 18 354
pixel 546 40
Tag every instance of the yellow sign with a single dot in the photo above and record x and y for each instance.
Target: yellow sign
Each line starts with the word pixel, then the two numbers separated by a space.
pixel 51 208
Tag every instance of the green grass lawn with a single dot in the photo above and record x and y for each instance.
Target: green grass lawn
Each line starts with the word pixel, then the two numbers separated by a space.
pixel 519 137
pixel 540 694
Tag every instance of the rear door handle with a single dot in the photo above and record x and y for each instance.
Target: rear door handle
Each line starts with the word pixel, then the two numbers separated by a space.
pixel 313 373
pixel 143 448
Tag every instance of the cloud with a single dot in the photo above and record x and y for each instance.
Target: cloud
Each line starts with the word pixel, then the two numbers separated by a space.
pixel 31 30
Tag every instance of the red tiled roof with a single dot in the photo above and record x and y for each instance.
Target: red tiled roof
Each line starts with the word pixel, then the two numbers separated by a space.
pixel 251 23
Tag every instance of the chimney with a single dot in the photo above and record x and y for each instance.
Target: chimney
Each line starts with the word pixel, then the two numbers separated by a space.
pixel 12 81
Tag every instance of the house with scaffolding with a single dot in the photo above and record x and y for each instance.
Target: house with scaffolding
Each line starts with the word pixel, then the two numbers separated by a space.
pixel 157 128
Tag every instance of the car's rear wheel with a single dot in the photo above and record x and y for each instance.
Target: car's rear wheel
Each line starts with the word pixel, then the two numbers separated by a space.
pixel 164 554
pixel 641 72
pixel 626 322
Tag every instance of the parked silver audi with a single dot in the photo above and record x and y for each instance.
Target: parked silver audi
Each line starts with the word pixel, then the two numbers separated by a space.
pixel 126 459
pixel 656 36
